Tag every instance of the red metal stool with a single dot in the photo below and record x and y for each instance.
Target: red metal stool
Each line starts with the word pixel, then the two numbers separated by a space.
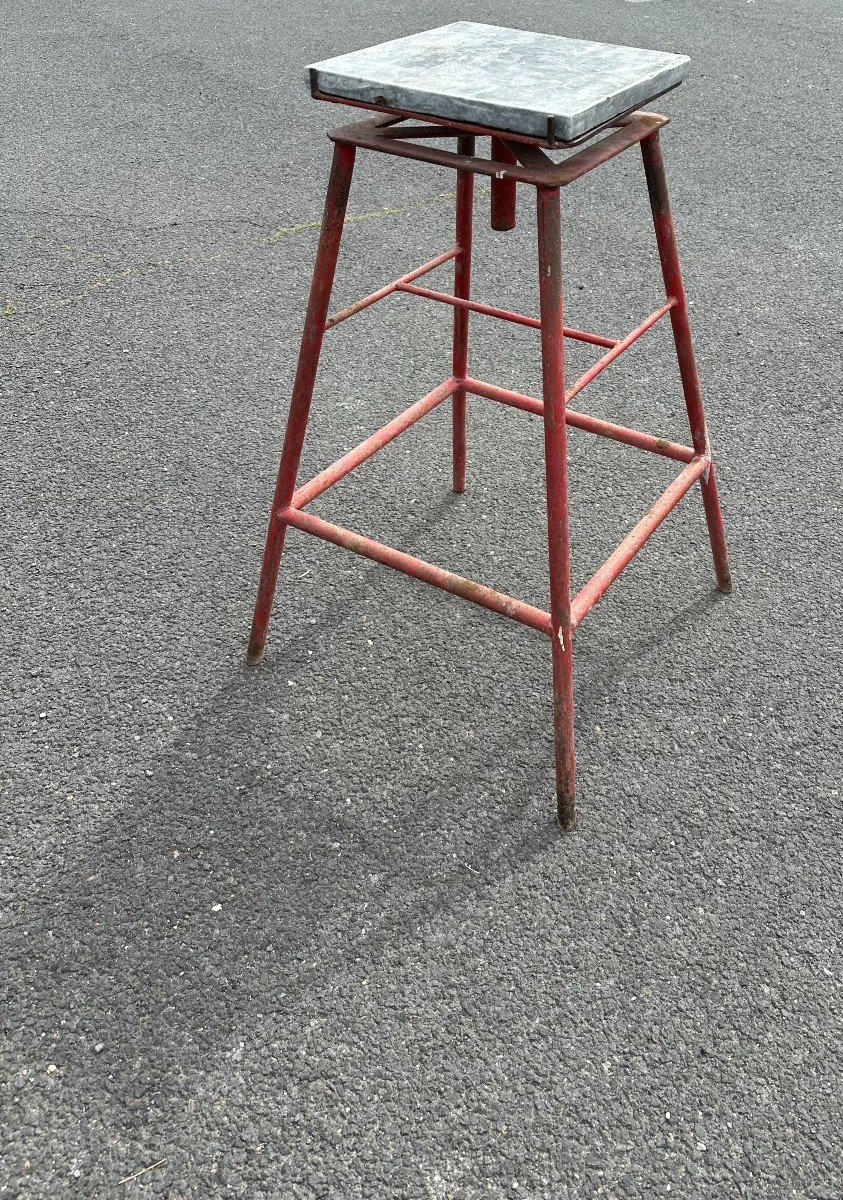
pixel 516 157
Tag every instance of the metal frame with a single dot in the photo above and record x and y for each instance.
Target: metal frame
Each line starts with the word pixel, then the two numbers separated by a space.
pixel 512 162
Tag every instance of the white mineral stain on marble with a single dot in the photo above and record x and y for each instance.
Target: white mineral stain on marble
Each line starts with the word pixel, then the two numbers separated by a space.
pixel 503 78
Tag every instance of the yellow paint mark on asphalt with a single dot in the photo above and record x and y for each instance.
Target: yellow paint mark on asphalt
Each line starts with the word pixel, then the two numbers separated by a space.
pixel 149 267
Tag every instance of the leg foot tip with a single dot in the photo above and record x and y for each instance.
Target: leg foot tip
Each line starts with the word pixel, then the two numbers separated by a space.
pixel 566 816
pixel 254 655
pixel 725 586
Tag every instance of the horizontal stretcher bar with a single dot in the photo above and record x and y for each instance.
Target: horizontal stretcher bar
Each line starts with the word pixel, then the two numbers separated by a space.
pixel 476 387
pixel 600 582
pixel 503 314
pixel 382 437
pixel 405 284
pixel 458 585
pixel 359 305
pixel 415 567
pixel 617 433
pixel 487 597
pixel 618 349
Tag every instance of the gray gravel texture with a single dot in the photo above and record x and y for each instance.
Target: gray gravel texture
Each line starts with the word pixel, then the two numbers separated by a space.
pixel 309 930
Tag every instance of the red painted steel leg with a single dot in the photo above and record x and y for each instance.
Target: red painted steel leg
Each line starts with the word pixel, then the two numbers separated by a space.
pixel 503 190
pixel 311 344
pixel 556 480
pixel 462 286
pixel 668 254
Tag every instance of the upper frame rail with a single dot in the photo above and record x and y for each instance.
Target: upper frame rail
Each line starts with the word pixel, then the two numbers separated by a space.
pixel 541 171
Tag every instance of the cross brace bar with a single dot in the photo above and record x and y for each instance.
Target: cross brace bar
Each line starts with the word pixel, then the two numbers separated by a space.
pixel 405 284
pixel 616 346
pixel 399 561
pixel 618 433
pixel 578 335
pixel 359 305
pixel 458 585
pixel 382 437
pixel 487 597
pixel 599 583
pixel 618 349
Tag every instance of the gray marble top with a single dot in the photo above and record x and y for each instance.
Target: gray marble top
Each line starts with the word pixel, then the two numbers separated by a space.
pixel 505 79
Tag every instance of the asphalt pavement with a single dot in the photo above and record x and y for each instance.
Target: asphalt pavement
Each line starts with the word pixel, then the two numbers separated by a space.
pixel 310 930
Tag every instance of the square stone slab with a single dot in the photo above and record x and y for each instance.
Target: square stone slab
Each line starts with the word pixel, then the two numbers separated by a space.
pixel 507 79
